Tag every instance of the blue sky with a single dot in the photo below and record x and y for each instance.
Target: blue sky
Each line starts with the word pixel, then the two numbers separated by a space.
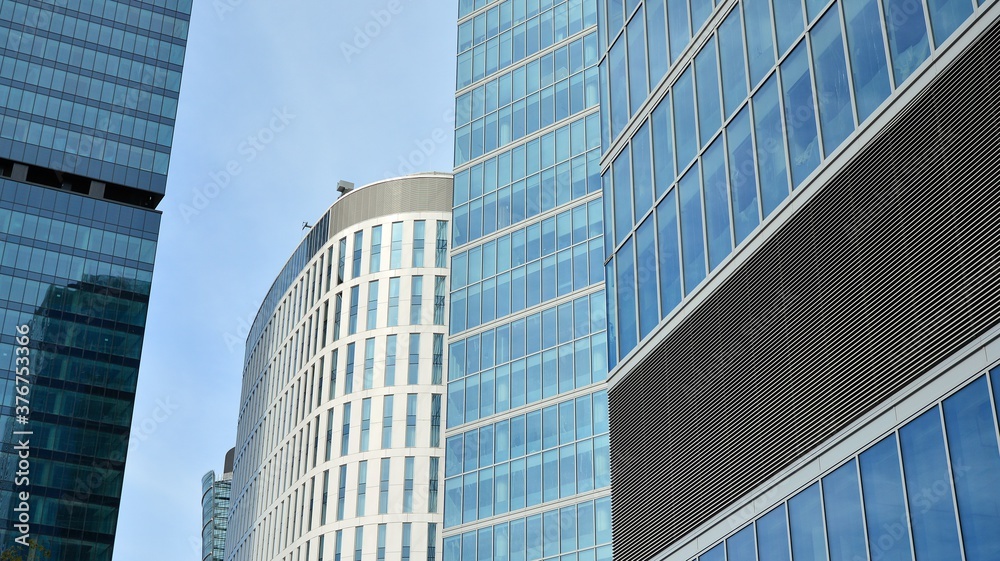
pixel 280 100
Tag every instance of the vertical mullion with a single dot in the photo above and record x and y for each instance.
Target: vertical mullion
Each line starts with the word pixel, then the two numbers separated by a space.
pixel 861 495
pixel 847 60
pixel 951 478
pixel 994 405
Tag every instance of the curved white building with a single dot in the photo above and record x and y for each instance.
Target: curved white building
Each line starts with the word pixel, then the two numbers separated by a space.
pixel 339 447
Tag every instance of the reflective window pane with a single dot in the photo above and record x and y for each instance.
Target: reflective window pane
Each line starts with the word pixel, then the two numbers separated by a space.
pixel 656 39
pixel 642 171
pixel 678 26
pixel 716 203
pixel 626 298
pixel 742 545
pixel 975 464
pixel 800 116
pixel 709 109
pixel 669 266
pixel 832 90
pixel 734 79
pixel 638 84
pixel 907 36
pixel 770 146
pixel 742 176
pixel 663 146
pixel 772 536
pixel 869 68
pixel 692 233
pixel 788 22
pixel 805 514
pixel 932 506
pixel 946 16
pixel 885 509
pixel 842 499
pixel 760 43
pixel 685 134
pixel 622 195
pixel 645 247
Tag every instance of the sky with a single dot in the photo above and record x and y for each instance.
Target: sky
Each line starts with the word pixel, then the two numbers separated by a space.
pixel 279 101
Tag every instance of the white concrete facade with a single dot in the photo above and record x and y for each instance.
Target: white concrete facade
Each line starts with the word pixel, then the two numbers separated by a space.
pixel 314 433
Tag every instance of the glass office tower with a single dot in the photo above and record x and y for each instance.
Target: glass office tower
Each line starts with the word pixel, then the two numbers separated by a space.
pixel 526 467
pixel 215 497
pixel 88 96
pixel 801 277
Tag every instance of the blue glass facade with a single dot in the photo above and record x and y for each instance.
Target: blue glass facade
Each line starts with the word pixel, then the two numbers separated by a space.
pixel 703 140
pixel 925 491
pixel 88 96
pixel 526 423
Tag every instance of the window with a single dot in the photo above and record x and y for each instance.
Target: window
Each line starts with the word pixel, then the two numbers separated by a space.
pixel 329 434
pixel 432 487
pixel 418 243
pixel 359 539
pixel 406 541
pixel 338 309
pixel 441 247
pixel 390 360
pixel 432 541
pixel 439 300
pixel 352 319
pixel 366 420
pixel 341 257
pixel 393 319
pixel 411 420
pixel 413 376
pixel 345 433
pixel 380 553
pixel 396 252
pixel 437 364
pixel 416 299
pixel 387 422
pixel 383 488
pixel 375 259
pixel 326 493
pixel 362 487
pixel 372 305
pixel 435 420
pixel 369 373
pixel 408 485
pixel 356 263
pixel 334 360
pixel 341 493
pixel 349 370
pixel 338 545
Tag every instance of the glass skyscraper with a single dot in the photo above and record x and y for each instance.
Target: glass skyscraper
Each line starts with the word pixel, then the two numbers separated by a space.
pixel 215 499
pixel 800 265
pixel 88 96
pixel 526 461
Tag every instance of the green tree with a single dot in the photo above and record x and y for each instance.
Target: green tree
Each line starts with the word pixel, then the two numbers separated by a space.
pixel 35 551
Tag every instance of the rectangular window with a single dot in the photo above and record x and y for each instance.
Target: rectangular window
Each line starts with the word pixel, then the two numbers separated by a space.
pixel 341 258
pixel 345 433
pixel 416 299
pixel 338 545
pixel 387 422
pixel 375 259
pixel 352 318
pixel 337 311
pixel 411 420
pixel 349 370
pixel 334 361
pixel 372 305
pixel 406 542
pixel 326 494
pixel 441 247
pixel 413 376
pixel 359 540
pixel 393 319
pixel 369 374
pixel 439 300
pixel 380 552
pixel 396 252
pixel 432 542
pixel 329 434
pixel 418 243
pixel 437 363
pixel 341 493
pixel 432 486
pixel 383 488
pixel 390 360
pixel 366 421
pixel 435 420
pixel 362 487
pixel 408 485
pixel 356 263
